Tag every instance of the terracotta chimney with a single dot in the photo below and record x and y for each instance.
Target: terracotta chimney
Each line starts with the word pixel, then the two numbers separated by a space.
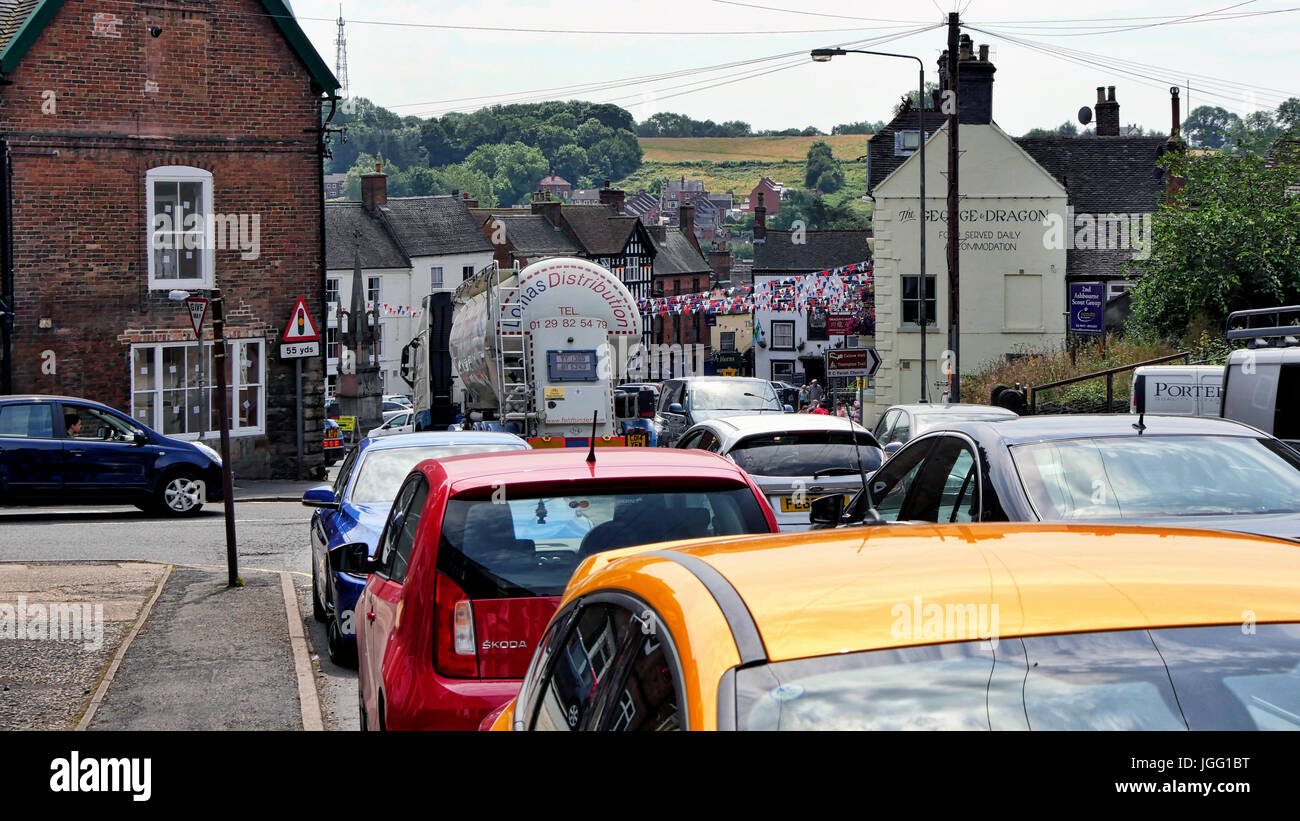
pixel 470 203
pixel 720 262
pixel 374 189
pixel 612 197
pixel 760 220
pixel 550 208
pixel 1107 113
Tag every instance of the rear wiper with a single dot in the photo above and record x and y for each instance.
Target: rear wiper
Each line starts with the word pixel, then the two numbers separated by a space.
pixel 834 472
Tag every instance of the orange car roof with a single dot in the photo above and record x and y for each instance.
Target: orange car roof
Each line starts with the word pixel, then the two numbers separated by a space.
pixel 866 588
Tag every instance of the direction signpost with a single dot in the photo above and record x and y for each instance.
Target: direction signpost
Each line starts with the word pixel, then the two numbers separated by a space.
pixel 299 341
pixel 852 362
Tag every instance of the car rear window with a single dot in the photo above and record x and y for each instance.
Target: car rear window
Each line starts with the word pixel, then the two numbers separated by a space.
pixel 1198 678
pixel 929 421
pixel 382 470
pixel 803 454
pixel 529 545
pixel 1133 477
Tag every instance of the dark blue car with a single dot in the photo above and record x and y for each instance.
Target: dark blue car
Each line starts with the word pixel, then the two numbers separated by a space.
pixel 354 509
pixel 60 450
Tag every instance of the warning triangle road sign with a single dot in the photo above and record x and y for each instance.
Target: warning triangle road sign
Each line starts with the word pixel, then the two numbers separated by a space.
pixel 301 328
pixel 198 307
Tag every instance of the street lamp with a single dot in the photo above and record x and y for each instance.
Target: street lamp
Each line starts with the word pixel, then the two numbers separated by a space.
pixel 824 55
pixel 223 399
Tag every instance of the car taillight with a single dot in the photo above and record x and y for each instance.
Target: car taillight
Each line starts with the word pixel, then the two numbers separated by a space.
pixel 648 415
pixel 454 653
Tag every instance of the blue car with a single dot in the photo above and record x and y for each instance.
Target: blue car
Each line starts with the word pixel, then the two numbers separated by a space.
pixel 61 450
pixel 354 508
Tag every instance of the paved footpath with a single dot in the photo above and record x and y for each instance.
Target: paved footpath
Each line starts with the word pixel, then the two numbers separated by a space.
pixel 212 657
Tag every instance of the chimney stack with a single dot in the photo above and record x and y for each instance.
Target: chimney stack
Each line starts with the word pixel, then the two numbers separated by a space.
pixel 374 190
pixel 975 102
pixel 760 220
pixel 687 220
pixel 470 203
pixel 548 207
pixel 612 197
pixel 720 262
pixel 1107 113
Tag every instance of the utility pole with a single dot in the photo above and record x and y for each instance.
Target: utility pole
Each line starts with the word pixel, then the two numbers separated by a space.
pixel 954 239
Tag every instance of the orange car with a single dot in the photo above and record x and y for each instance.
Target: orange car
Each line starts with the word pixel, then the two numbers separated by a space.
pixel 983 626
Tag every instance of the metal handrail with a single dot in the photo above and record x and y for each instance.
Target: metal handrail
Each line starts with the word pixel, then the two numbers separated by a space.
pixel 1109 374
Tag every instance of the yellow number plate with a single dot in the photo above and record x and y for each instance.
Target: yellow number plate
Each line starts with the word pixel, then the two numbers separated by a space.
pixel 789 505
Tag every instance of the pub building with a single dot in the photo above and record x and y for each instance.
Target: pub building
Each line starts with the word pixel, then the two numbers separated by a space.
pixel 1032 219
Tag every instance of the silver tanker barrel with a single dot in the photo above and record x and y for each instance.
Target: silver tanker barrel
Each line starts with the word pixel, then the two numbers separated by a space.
pixel 543 347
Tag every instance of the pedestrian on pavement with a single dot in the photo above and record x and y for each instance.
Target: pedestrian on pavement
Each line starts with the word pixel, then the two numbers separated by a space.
pixel 814 391
pixel 818 409
pixel 73 423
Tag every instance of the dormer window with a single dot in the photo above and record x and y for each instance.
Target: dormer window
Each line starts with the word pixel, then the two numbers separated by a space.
pixel 906 142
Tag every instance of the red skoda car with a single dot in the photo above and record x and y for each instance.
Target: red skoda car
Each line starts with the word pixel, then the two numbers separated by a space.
pixel 477 551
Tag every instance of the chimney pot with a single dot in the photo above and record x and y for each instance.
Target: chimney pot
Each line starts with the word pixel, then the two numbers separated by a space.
pixel 1101 94
pixel 1111 96
pixel 984 53
pixel 374 190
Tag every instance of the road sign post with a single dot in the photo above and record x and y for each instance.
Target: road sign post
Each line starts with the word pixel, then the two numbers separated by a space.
pixel 852 362
pixel 300 340
pixel 198 310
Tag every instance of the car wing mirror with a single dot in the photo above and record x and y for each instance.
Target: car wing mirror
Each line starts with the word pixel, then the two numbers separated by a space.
pixel 826 511
pixel 138 436
pixel 788 409
pixel 626 405
pixel 322 496
pixel 354 558
pixel 676 407
pixel 892 448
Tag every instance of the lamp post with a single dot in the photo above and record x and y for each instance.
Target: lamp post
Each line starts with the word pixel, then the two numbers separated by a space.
pixel 824 55
pixel 223 400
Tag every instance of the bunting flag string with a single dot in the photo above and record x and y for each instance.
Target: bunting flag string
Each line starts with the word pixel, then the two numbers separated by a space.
pixel 841 289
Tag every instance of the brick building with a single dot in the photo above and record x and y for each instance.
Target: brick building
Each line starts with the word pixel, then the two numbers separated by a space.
pixel 159 147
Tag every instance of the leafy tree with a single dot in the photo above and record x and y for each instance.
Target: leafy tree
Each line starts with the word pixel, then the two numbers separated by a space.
pixel 1207 126
pixel 930 88
pixel 822 171
pixel 1228 241
pixel 461 177
pixel 615 156
pixel 861 127
pixel 1288 114
pixel 570 161
pixel 593 131
pixel 816 214
pixel 1254 134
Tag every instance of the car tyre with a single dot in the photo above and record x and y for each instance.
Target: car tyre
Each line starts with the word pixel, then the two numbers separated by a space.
pixel 317 609
pixel 179 494
pixel 342 652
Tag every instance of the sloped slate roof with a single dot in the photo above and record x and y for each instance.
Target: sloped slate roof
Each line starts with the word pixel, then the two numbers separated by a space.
pixel 599 228
pixel 822 250
pixel 881 160
pixel 430 226
pixel 1103 175
pixel 347 227
pixel 533 235
pixel 675 255
pixel 22 21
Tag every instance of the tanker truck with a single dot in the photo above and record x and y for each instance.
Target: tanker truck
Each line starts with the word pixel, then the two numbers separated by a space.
pixel 536 350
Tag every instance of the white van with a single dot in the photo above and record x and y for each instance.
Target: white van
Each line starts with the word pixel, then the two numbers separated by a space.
pixel 1178 390
pixel 1261 386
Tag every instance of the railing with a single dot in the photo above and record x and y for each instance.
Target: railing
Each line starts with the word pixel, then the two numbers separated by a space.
pixel 1108 374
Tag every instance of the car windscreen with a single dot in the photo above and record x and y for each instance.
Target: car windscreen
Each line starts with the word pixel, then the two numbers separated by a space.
pixel 930 421
pixel 1129 477
pixel 382 470
pixel 723 395
pixel 529 545
pixel 805 453
pixel 1199 678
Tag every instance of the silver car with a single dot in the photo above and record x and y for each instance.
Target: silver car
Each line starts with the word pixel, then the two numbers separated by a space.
pixel 903 423
pixel 794 457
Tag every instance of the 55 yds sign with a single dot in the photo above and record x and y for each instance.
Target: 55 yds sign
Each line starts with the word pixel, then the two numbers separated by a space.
pixel 301 339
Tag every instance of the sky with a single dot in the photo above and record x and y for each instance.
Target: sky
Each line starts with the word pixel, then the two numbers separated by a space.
pixel 401 58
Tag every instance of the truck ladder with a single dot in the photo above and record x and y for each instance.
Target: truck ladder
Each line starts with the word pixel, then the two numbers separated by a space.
pixel 514 400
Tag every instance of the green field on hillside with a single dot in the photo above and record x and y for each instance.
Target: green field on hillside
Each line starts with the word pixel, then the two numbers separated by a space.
pixel 761 149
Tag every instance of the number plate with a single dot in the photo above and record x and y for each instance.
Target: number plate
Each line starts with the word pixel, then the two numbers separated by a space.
pixel 789 505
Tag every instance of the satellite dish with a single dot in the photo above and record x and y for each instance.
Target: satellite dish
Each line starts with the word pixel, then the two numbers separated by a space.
pixel 1085 115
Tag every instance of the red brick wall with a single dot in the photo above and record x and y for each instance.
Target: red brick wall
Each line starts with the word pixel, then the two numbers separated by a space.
pixel 232 98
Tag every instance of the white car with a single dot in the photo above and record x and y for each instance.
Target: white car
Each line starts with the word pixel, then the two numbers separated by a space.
pixel 403 422
pixel 794 457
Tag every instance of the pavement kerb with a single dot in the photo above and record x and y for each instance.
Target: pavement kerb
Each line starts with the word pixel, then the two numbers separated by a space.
pixel 308 700
pixel 107 680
